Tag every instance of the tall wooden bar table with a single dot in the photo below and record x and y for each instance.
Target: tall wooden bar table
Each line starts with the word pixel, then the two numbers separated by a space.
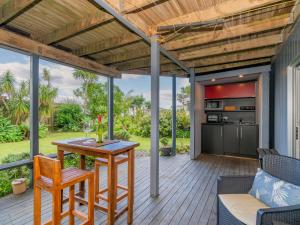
pixel 108 150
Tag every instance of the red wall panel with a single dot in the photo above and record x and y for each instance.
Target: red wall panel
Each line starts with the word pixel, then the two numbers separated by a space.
pixel 235 90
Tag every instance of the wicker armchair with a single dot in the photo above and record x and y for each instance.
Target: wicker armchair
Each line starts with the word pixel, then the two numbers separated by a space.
pixel 285 168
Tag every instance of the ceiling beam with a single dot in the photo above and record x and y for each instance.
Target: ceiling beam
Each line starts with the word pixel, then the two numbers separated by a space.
pixel 232 65
pixel 236 46
pixel 227 58
pixel 230 32
pixel 103 4
pixel 295 13
pixel 131 54
pixel 107 44
pixel 141 63
pixel 139 6
pixel 14 8
pixel 166 66
pixel 146 71
pixel 220 10
pixel 75 28
pixel 232 47
pixel 19 42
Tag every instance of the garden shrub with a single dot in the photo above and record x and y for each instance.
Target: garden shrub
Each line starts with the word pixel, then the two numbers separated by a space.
pixel 182 148
pixel 143 126
pixel 182 133
pixel 7 176
pixel 121 135
pixel 25 130
pixel 165 123
pixel 72 160
pixel 43 130
pixel 9 132
pixel 68 117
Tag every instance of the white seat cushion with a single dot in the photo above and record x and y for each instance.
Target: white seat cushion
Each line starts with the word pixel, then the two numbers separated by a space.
pixel 242 206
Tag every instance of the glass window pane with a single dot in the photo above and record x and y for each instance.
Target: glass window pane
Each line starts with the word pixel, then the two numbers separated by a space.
pixel 132 110
pixel 70 100
pixel 165 113
pixel 183 115
pixel 14 105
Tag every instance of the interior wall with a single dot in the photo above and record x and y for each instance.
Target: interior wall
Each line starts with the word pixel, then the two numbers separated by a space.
pixel 263 112
pixel 199 116
pixel 286 55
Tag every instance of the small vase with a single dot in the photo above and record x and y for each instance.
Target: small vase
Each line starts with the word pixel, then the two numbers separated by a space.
pixel 100 137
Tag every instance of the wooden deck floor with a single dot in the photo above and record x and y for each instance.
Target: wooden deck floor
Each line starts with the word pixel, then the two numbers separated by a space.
pixel 187 192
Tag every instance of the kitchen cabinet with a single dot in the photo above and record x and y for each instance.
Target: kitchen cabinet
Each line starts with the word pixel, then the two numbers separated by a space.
pixel 231 139
pixel 248 139
pixel 212 139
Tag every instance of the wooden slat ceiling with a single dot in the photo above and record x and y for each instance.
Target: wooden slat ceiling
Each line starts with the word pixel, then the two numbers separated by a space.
pixel 210 35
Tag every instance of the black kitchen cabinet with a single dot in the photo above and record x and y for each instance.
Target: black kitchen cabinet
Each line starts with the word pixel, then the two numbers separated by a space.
pixel 231 139
pixel 212 139
pixel 248 140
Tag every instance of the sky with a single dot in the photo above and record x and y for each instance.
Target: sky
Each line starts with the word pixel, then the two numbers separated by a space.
pixel 19 65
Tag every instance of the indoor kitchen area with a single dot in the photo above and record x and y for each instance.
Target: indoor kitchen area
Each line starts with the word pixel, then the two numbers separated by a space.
pixel 231 112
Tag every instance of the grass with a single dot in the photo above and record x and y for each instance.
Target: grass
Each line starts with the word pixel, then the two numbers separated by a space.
pixel 46 147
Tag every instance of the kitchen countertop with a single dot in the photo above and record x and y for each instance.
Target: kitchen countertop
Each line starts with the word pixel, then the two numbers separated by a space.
pixel 231 123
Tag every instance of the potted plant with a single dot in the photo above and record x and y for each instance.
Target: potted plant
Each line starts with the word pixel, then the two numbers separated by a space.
pixel 165 149
pixel 19 186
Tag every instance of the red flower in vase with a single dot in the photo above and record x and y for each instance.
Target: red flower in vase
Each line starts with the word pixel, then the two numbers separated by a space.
pixel 99 119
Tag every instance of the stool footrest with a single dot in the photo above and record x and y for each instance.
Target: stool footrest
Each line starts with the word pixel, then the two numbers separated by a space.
pixel 80 215
pixel 103 190
pixel 122 187
pixel 102 197
pixel 62 215
pixel 121 212
pixel 122 196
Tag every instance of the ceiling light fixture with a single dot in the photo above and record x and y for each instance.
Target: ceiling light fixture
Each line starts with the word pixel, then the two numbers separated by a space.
pixel 213 80
pixel 241 76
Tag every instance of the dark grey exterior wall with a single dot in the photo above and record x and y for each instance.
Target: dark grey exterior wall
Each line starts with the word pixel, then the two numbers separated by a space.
pixel 288 52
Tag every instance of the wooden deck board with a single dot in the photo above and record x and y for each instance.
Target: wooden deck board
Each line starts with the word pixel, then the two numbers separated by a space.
pixel 187 192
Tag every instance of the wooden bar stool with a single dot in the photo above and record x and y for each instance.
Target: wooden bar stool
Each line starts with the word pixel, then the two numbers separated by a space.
pixel 99 193
pixel 49 176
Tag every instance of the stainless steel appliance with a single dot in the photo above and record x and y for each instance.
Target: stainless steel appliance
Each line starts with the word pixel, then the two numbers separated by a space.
pixel 214 118
pixel 214 105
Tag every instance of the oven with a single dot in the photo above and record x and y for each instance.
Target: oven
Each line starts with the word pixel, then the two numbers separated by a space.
pixel 214 118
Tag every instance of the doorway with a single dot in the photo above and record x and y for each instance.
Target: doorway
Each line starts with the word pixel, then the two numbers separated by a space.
pixel 293 97
pixel 297 114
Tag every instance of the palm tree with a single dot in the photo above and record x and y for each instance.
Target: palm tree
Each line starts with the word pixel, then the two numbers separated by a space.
pixel 87 79
pixel 7 82
pixel 47 96
pixel 20 103
pixel 7 89
pixel 47 76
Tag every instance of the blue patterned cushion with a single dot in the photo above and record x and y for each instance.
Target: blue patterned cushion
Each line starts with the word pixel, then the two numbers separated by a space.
pixel 273 191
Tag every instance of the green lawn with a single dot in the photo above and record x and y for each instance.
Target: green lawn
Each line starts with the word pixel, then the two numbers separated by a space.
pixel 46 147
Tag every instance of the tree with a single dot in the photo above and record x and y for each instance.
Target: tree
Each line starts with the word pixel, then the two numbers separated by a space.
pixel 20 105
pixel 137 103
pixel 7 84
pixel 184 97
pixel 87 79
pixel 46 76
pixel 96 99
pixel 47 97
